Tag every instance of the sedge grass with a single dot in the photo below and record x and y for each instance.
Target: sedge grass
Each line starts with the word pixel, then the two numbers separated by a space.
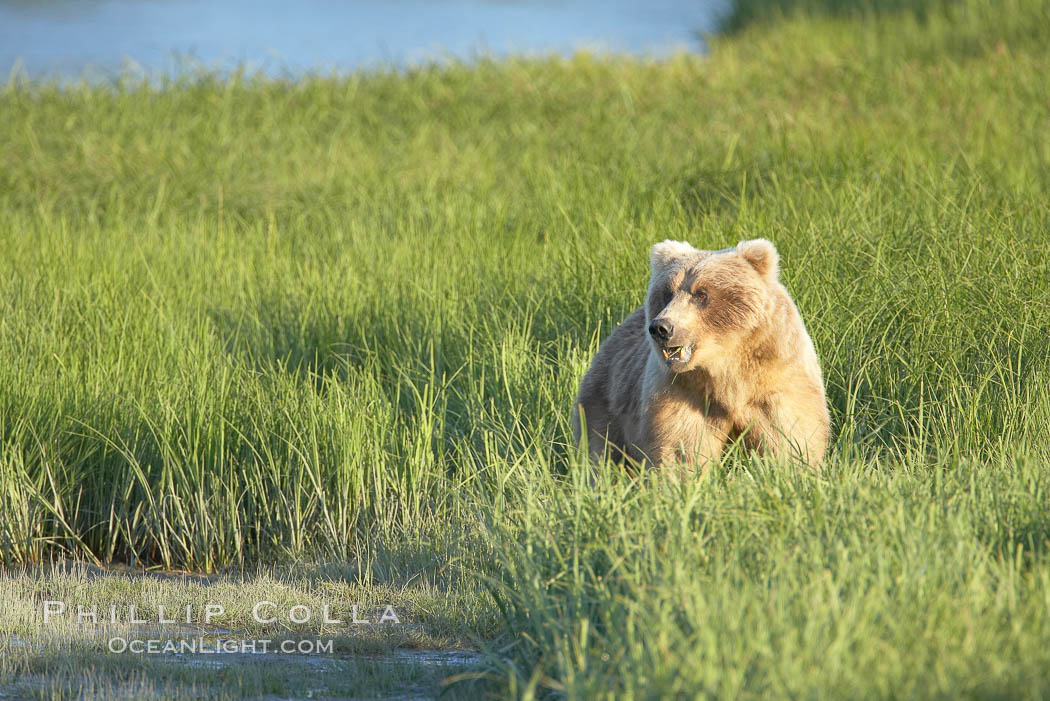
pixel 342 319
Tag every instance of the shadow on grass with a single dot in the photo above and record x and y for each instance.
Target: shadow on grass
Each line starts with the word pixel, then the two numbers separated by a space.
pixel 1028 541
pixel 746 13
pixel 718 191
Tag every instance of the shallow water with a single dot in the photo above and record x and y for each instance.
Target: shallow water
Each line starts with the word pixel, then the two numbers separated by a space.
pixel 74 38
pixel 414 674
pixel 331 663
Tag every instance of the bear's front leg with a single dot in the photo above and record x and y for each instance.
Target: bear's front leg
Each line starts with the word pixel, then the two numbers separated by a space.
pixel 790 426
pixel 683 436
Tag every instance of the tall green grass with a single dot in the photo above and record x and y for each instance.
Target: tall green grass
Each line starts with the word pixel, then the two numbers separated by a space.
pixel 251 321
pixel 771 583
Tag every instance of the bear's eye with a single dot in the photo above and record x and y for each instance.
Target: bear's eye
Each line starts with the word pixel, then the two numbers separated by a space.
pixel 700 296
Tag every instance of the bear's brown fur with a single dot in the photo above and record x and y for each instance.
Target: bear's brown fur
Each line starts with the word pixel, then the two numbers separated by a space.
pixel 718 352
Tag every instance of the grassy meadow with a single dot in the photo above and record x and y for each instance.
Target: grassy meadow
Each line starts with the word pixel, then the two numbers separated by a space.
pixel 335 326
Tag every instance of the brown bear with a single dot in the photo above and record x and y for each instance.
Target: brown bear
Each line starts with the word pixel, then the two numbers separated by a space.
pixel 717 353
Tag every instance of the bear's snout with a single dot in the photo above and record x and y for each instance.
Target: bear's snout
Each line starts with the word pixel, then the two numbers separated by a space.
pixel 661 329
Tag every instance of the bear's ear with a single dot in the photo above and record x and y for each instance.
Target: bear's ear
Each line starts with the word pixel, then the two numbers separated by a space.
pixel 666 252
pixel 762 256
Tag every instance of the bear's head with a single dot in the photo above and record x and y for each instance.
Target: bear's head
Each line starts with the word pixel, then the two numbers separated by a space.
pixel 700 304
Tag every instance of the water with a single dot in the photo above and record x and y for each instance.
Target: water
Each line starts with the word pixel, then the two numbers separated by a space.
pixel 98 38
pixel 408 674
